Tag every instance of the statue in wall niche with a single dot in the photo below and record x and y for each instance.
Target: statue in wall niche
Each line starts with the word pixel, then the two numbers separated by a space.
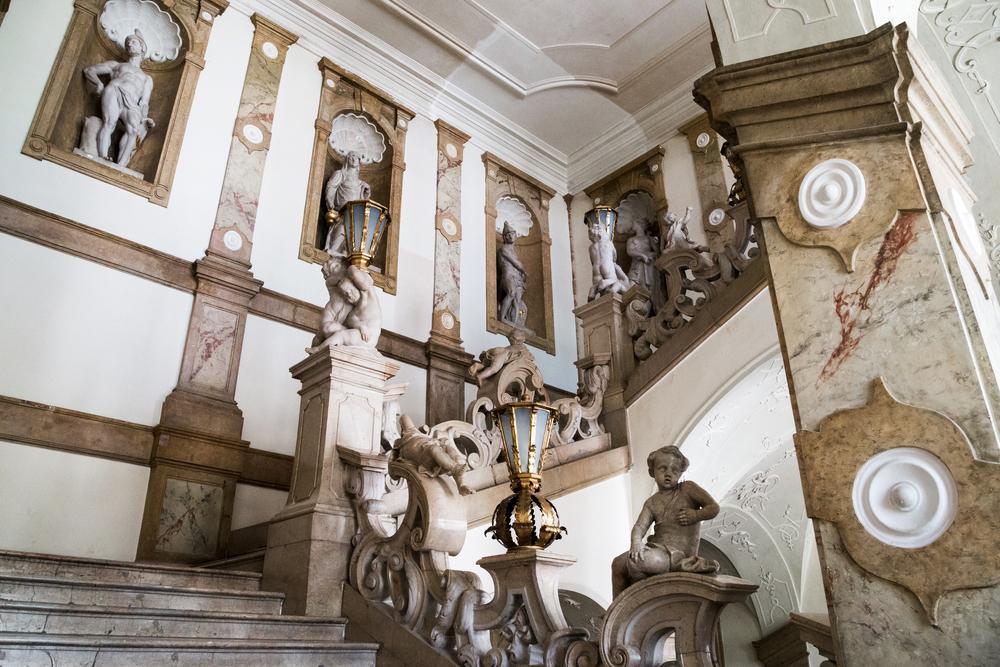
pixel 346 185
pixel 675 512
pixel 432 456
pixel 642 249
pixel 124 99
pixel 513 279
pixel 608 276
pixel 353 315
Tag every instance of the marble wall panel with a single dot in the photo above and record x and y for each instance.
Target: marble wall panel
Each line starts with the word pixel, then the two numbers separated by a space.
pixel 189 517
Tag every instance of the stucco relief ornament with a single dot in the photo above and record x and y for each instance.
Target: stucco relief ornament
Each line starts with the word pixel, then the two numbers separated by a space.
pixel 896 481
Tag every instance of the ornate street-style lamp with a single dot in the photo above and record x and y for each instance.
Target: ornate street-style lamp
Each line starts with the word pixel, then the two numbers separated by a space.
pixel 605 216
pixel 364 222
pixel 526 519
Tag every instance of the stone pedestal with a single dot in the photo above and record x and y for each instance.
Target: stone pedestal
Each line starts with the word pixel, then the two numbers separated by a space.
pixel 447 367
pixel 687 605
pixel 605 331
pixel 309 541
pixel 530 578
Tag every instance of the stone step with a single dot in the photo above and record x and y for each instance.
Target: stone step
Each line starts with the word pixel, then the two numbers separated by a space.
pixel 27 650
pixel 111 571
pixel 252 561
pixel 59 619
pixel 103 594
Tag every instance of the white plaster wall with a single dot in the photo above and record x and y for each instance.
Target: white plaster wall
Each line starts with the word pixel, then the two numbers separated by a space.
pixel 33 32
pixel 255 504
pixel 82 336
pixel 598 520
pixel 61 503
pixel 268 394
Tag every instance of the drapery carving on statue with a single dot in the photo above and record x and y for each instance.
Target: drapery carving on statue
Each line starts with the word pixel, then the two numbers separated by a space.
pixel 346 185
pixel 579 416
pixel 694 274
pixel 642 248
pixel 352 316
pixel 124 100
pixel 608 277
pixel 512 278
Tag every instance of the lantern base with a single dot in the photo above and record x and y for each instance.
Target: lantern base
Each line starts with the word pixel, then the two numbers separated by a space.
pixel 525 520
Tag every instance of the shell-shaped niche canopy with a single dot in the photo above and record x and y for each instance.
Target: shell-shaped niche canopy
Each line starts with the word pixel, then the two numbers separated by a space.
pixel 353 133
pixel 512 210
pixel 120 19
pixel 632 209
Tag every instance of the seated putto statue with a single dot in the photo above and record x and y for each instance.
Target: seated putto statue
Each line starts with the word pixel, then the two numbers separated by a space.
pixel 491 361
pixel 346 185
pixel 432 456
pixel 124 99
pixel 608 276
pixel 678 238
pixel 512 279
pixel 675 512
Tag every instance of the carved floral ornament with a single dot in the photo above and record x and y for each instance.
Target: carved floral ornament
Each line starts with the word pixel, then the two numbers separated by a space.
pixel 911 503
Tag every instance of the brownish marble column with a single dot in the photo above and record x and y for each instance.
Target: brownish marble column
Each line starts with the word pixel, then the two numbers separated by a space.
pixel 447 359
pixel 874 318
pixel 198 452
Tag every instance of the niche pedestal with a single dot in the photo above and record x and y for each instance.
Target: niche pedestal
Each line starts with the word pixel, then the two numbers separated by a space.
pixel 309 541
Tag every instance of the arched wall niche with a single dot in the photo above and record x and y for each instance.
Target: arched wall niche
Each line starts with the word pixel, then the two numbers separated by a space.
pixel 346 96
pixel 505 183
pixel 69 98
pixel 741 451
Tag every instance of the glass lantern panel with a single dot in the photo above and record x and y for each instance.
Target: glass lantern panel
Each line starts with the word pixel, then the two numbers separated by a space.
pixel 524 436
pixel 373 214
pixel 541 423
pixel 589 216
pixel 507 434
pixel 381 219
pixel 357 238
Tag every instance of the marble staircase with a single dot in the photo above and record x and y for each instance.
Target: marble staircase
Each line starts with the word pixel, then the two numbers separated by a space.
pixel 58 611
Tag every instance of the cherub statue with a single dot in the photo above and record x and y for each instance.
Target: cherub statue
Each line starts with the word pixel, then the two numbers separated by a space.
pixel 642 248
pixel 608 276
pixel 675 512
pixel 677 236
pixel 124 99
pixel 432 456
pixel 491 361
pixel 513 278
pixel 346 185
pixel 353 315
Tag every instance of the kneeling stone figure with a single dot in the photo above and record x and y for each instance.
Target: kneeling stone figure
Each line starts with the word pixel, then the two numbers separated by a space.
pixel 675 511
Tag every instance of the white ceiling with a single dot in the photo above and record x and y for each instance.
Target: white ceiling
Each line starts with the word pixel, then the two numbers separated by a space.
pixel 565 71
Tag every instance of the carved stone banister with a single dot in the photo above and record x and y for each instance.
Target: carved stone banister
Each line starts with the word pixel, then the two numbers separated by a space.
pixel 788 646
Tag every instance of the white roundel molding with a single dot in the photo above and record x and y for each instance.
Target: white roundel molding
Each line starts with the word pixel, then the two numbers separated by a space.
pixel 832 193
pixel 716 216
pixel 905 497
pixel 232 240
pixel 702 140
pixel 253 134
pixel 270 50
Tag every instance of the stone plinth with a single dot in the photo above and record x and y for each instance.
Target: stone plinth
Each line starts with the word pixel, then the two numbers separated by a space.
pixel 687 605
pixel 528 577
pixel 309 541
pixel 605 331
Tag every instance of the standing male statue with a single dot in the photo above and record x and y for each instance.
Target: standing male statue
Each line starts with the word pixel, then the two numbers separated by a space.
pixel 124 99
pixel 513 278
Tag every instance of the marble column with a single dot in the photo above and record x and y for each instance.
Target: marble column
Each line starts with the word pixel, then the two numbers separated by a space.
pixel 874 317
pixel 340 415
pixel 198 451
pixel 447 359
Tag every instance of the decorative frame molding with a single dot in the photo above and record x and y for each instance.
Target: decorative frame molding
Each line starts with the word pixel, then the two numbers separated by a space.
pixel 343 92
pixel 505 180
pixel 196 18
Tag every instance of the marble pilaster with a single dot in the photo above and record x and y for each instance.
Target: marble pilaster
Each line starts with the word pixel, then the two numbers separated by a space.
pixel 447 359
pixel 199 437
pixel 605 332
pixel 874 293
pixel 340 412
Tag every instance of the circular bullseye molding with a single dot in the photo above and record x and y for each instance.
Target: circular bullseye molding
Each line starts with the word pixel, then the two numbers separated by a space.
pixel 905 497
pixel 270 50
pixel 832 193
pixel 232 240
